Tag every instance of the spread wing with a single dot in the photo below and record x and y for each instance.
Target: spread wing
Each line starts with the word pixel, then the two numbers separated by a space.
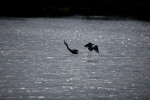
pixel 96 48
pixel 88 45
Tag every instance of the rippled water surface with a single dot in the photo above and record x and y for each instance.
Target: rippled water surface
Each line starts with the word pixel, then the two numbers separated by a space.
pixel 35 64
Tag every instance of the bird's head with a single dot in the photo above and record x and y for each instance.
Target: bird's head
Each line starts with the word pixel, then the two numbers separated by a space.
pixel 89 44
pixel 65 42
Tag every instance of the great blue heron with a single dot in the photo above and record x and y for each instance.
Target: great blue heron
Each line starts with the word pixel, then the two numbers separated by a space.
pixel 73 51
pixel 92 47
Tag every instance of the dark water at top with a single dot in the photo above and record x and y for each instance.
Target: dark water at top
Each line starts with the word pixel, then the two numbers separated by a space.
pixel 35 64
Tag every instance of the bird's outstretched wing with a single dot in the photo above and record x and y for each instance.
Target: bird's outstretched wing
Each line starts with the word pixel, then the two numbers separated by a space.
pixel 88 45
pixel 96 48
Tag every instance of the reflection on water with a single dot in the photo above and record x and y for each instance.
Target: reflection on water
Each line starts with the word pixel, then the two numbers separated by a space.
pixel 35 64
pixel 92 60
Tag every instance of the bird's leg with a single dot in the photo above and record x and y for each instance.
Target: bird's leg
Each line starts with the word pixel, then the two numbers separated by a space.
pixel 89 54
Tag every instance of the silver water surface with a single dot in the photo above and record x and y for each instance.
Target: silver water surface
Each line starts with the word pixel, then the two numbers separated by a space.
pixel 35 64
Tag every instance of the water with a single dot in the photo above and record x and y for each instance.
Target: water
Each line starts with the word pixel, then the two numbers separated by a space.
pixel 35 64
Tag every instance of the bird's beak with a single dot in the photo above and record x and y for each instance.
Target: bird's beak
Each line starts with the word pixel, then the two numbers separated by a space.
pixel 64 42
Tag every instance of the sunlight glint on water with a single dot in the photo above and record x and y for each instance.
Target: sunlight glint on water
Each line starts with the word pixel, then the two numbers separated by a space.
pixel 35 64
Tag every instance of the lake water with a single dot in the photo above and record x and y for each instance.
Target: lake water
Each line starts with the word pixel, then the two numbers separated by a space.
pixel 35 63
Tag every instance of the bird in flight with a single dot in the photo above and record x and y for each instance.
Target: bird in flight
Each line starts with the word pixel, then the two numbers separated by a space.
pixel 73 51
pixel 92 47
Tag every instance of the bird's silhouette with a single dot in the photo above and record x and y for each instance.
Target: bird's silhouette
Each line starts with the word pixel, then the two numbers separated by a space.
pixel 73 51
pixel 92 47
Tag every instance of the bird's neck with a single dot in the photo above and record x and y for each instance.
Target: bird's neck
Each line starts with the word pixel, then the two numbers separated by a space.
pixel 68 47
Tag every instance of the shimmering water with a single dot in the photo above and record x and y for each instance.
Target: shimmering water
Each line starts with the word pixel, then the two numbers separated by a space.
pixel 35 64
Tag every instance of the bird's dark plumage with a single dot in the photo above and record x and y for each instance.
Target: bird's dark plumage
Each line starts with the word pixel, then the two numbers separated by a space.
pixel 73 51
pixel 92 47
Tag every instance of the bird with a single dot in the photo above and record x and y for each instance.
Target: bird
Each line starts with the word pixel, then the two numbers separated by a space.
pixel 73 51
pixel 92 47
